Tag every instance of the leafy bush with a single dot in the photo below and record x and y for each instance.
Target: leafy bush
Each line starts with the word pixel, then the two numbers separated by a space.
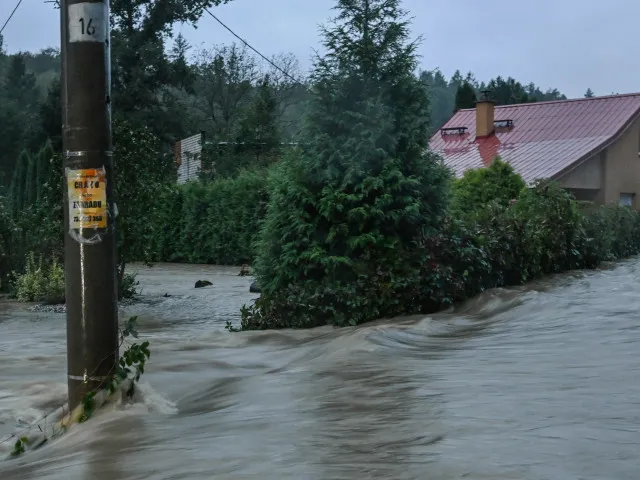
pixel 544 231
pixel 481 187
pixel 128 286
pixel 459 266
pixel 536 235
pixel 41 282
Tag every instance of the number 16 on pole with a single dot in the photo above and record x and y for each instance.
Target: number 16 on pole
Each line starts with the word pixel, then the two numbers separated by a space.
pixel 88 22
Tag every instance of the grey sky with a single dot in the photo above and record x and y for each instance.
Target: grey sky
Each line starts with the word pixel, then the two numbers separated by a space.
pixel 567 44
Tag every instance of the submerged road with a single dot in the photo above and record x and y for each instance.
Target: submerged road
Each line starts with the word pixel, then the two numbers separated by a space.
pixel 534 383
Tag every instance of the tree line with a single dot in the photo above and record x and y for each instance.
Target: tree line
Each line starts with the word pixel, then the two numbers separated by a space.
pixel 163 83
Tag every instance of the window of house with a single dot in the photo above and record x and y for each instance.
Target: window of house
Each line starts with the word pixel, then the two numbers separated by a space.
pixel 626 199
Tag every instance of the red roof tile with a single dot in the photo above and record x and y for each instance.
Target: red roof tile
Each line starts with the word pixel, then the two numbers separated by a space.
pixel 546 138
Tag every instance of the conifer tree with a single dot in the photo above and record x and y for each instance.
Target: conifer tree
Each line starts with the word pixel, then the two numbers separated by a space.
pixel 51 117
pixel 260 129
pixel 18 183
pixel 30 181
pixel 342 239
pixel 43 169
pixel 465 96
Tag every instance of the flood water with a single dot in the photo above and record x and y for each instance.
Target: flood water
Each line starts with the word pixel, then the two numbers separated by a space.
pixel 535 383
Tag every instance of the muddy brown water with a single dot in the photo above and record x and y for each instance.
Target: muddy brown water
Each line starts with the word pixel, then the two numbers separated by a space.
pixel 540 382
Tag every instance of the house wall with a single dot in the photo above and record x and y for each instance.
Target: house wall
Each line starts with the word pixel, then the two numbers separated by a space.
pixel 622 167
pixel 612 173
pixel 189 164
pixel 586 195
pixel 588 175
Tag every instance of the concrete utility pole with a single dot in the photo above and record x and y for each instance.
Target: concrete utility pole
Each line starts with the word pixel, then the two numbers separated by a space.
pixel 90 256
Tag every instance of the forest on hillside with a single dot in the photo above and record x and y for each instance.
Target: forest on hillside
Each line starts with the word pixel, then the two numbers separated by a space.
pixel 224 90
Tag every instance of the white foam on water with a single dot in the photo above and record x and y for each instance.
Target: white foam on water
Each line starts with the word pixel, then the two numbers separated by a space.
pixel 27 421
pixel 147 399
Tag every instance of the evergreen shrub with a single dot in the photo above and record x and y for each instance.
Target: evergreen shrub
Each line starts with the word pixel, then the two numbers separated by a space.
pixel 342 240
pixel 210 222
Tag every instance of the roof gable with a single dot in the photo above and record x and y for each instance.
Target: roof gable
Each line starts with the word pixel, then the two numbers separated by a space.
pixel 546 138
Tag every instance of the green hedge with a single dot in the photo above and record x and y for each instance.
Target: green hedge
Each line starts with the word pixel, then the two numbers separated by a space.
pixel 211 223
pixel 544 231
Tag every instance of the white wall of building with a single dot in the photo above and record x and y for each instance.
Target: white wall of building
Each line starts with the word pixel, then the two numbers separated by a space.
pixel 190 163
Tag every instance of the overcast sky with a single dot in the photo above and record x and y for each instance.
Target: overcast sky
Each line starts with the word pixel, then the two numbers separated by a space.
pixel 567 44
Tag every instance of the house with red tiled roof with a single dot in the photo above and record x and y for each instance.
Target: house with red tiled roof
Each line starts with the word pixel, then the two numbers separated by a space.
pixel 591 146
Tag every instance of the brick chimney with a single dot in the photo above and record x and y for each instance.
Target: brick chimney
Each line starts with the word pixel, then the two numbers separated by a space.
pixel 484 115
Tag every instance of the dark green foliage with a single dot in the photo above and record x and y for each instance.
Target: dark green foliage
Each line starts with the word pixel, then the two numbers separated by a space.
pixel 258 136
pixel 340 242
pixel 509 92
pixel 38 233
pixel 518 238
pixel 43 170
pixel 17 191
pixel 545 231
pixel 128 287
pixel 51 117
pixel 260 125
pixel 215 222
pixel 589 93
pixel 30 188
pixel 7 232
pixel 39 226
pixel 19 97
pixel 505 92
pixel 20 83
pixel 140 173
pixel 202 223
pixel 48 212
pixel 142 69
pixel 160 87
pixel 465 96
pixel 44 62
pixel 537 235
pixel 480 187
pixel 225 84
pixel 166 221
pixel 183 75
pixel 356 226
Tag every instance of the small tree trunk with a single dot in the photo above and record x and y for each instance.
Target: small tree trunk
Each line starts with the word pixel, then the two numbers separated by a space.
pixel 121 270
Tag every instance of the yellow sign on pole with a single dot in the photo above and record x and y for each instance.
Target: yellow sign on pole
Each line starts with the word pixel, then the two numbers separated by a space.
pixel 87 194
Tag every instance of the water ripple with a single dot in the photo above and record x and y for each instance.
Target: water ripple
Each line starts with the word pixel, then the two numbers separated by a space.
pixel 537 383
